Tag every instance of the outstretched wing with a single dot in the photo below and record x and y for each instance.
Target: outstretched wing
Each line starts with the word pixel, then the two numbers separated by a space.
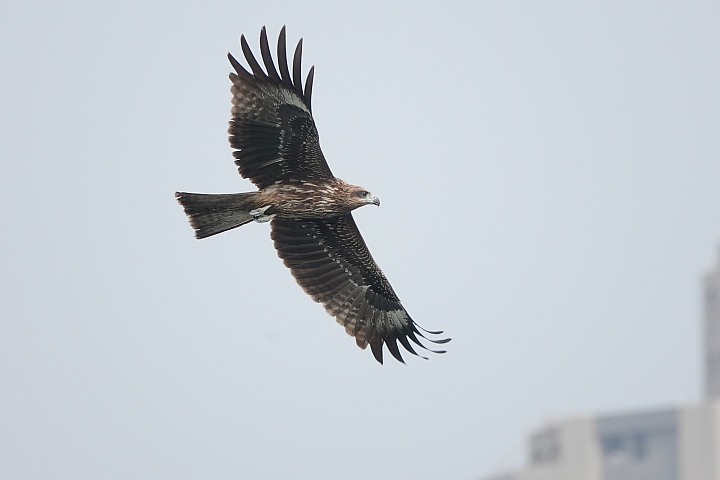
pixel 272 127
pixel 330 261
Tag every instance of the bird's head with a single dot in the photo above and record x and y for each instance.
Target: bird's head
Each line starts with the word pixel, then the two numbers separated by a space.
pixel 358 196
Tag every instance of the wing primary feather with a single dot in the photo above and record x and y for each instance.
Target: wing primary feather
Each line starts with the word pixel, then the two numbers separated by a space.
pixel 376 344
pixel 254 65
pixel 404 341
pixel 392 346
pixel 267 58
pixel 308 86
pixel 431 332
pixel 282 57
pixel 297 66
pixel 414 338
pixel 437 342
pixel 236 65
pixel 411 336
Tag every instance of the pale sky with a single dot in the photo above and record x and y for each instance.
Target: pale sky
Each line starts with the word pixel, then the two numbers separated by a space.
pixel 550 184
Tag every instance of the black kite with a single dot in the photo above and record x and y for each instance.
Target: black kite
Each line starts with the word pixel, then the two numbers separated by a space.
pixel 277 148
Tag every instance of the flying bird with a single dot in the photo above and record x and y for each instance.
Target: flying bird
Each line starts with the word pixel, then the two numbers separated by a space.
pixel 276 146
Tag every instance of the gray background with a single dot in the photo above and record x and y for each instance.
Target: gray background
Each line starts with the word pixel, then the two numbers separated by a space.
pixel 550 184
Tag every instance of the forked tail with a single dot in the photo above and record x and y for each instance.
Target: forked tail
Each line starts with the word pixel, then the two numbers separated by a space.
pixel 210 214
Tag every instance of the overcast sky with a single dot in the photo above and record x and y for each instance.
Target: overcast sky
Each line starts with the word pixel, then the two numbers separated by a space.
pixel 550 184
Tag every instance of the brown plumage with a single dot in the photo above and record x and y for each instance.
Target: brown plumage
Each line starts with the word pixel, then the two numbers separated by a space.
pixel 277 148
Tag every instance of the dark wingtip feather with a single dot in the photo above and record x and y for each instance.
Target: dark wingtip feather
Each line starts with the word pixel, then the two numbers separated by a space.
pixel 254 65
pixel 297 66
pixel 236 65
pixel 267 58
pixel 376 347
pixel 282 57
pixel 423 346
pixel 404 341
pixel 392 346
pixel 437 342
pixel 430 332
pixel 284 76
pixel 309 85
pixel 412 337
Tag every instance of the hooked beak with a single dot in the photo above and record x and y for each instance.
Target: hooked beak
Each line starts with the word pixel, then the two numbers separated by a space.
pixel 376 201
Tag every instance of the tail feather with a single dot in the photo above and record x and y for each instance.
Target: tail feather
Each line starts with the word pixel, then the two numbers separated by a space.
pixel 210 214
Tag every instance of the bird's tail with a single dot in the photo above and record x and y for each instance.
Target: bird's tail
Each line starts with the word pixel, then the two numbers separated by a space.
pixel 210 214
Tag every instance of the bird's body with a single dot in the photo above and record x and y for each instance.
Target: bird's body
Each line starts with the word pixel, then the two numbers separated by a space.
pixel 277 148
pixel 303 199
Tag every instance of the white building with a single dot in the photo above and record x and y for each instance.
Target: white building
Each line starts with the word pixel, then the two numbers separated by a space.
pixel 680 443
pixel 712 333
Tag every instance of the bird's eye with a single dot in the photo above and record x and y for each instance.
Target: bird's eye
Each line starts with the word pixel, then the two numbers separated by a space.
pixel 363 194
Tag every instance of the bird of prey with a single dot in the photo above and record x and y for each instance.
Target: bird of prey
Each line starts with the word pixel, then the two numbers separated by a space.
pixel 276 147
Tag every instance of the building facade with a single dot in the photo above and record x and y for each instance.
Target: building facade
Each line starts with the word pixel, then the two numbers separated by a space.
pixel 674 444
pixel 680 443
pixel 712 332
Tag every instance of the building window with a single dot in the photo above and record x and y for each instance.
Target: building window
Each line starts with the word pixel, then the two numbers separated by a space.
pixel 625 448
pixel 545 446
